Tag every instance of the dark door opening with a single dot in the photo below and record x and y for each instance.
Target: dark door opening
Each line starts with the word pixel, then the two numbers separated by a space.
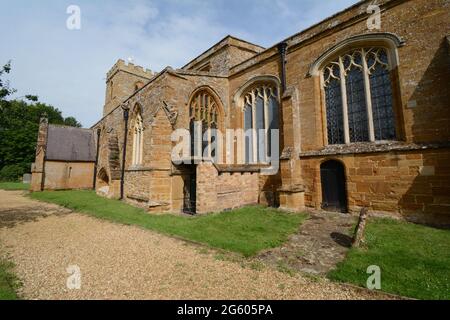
pixel 190 192
pixel 334 194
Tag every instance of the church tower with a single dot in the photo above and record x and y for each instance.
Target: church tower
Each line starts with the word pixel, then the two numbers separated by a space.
pixel 122 81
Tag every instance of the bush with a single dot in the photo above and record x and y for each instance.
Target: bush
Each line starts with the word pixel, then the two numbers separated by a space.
pixel 13 172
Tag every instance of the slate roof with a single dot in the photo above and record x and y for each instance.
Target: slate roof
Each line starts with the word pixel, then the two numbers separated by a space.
pixel 70 144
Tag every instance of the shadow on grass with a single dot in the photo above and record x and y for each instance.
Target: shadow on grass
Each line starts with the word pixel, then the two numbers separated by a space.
pixel 414 259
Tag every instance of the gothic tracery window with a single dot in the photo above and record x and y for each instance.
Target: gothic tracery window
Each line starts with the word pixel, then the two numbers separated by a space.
pixel 358 97
pixel 204 112
pixel 138 141
pixel 260 116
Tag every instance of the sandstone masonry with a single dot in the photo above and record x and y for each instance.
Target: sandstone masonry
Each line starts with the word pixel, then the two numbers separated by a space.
pixel 407 176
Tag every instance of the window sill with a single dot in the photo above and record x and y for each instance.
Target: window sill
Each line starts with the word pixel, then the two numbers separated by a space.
pixel 372 147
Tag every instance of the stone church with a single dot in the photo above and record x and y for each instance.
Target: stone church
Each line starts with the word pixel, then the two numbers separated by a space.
pixel 362 115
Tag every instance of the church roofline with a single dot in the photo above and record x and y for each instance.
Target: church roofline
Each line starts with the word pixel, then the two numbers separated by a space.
pixel 227 41
pixel 169 70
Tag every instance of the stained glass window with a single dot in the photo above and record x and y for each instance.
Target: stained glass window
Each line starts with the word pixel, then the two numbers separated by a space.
pixel 333 98
pixel 381 91
pixel 356 98
pixel 366 97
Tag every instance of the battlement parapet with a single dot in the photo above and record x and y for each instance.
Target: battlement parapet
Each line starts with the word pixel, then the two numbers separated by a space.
pixel 121 65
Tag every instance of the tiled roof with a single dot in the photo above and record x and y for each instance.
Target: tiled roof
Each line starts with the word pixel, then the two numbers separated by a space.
pixel 70 144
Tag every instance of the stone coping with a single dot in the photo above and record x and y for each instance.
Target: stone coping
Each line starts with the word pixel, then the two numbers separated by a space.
pixel 138 197
pixel 291 189
pixel 221 168
pixel 372 147
pixel 253 168
pixel 136 169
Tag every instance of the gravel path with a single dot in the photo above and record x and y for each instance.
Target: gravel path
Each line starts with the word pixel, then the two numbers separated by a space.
pixel 125 262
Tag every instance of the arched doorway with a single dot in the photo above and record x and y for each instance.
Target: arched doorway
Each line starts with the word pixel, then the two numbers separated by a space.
pixel 334 193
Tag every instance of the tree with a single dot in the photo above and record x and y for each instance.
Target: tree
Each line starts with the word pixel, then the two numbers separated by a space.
pixel 19 124
pixel 5 90
pixel 72 122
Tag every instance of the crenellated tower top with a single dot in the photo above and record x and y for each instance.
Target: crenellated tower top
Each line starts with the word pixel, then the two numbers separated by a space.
pixel 122 80
pixel 129 67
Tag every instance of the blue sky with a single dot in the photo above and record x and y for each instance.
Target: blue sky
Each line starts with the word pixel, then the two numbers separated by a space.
pixel 66 68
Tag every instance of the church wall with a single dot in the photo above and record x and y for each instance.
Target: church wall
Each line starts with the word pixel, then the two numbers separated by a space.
pixel 267 185
pixel 61 175
pixel 387 181
pixel 160 164
pixel 219 191
pixel 393 181
pixel 422 99
pixel 414 184
pixel 112 136
pixel 110 153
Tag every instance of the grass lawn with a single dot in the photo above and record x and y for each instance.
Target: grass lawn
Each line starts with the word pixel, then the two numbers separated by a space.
pixel 8 281
pixel 14 186
pixel 414 259
pixel 246 231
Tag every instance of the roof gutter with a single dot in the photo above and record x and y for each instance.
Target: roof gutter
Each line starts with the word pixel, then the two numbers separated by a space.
pixel 96 160
pixel 282 49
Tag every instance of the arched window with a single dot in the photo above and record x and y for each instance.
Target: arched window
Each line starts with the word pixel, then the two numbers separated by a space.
pixel 358 97
pixel 260 116
pixel 204 118
pixel 138 140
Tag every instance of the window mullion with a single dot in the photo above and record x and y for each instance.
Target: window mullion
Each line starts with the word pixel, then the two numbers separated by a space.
pixel 254 135
pixel 141 144
pixel 368 97
pixel 137 147
pixel 209 137
pixel 344 101
pixel 266 125
pixel 133 162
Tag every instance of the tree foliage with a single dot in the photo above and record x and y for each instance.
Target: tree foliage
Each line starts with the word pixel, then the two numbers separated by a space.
pixel 19 124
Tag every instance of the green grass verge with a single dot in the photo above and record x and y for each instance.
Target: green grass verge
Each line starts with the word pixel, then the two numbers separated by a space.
pixel 14 186
pixel 246 231
pixel 414 259
pixel 8 281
